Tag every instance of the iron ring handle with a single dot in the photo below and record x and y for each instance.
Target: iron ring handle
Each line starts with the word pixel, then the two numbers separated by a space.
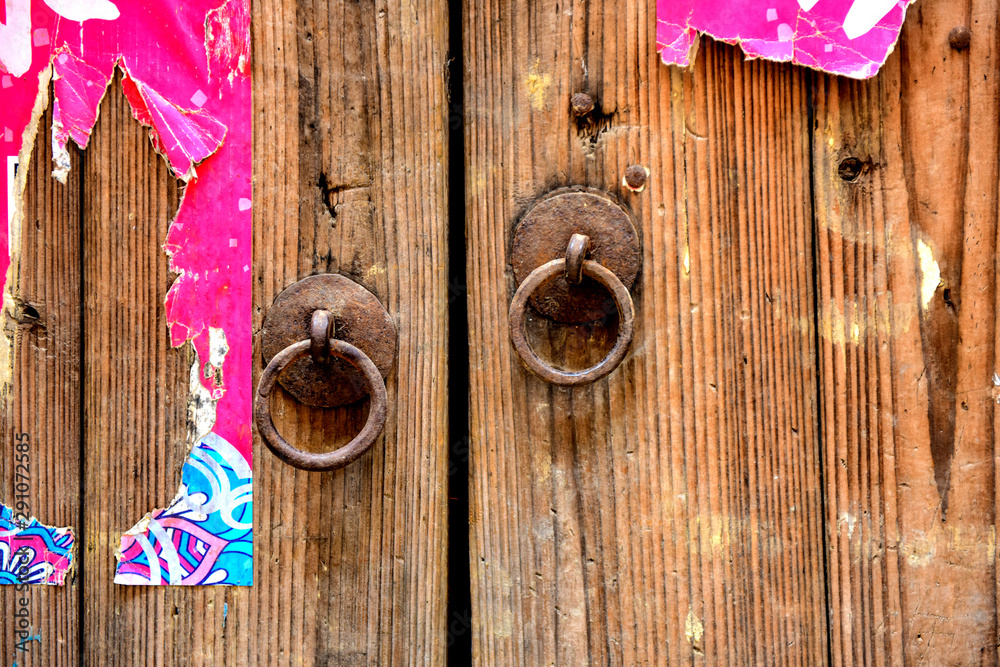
pixel 518 321
pixel 342 456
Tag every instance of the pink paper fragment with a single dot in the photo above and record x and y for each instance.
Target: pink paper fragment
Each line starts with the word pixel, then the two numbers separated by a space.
pixel 78 90
pixel 185 66
pixel 226 40
pixel 848 37
pixel 184 136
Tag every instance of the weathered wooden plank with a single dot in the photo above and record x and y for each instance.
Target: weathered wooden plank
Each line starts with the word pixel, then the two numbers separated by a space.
pixel 134 391
pixel 350 165
pixel 672 512
pixel 906 173
pixel 351 168
pixel 44 401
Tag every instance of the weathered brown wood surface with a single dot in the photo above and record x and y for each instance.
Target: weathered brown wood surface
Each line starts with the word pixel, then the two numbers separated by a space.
pixel 350 116
pixel 795 464
pixel 671 513
pixel 817 314
pixel 350 167
pixel 135 388
pixel 44 398
pixel 908 329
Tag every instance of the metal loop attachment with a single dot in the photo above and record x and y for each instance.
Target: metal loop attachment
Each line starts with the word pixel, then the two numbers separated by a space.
pixel 604 276
pixel 337 348
pixel 321 331
pixel 576 252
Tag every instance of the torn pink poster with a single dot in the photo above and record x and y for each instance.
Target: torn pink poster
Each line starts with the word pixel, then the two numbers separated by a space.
pixel 848 37
pixel 185 67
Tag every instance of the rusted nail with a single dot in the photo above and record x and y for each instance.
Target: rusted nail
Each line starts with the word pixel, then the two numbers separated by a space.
pixel 959 38
pixel 576 252
pixel 581 103
pixel 635 178
pixel 850 168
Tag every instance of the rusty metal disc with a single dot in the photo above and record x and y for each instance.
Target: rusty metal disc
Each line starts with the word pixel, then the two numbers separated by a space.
pixel 543 235
pixel 359 319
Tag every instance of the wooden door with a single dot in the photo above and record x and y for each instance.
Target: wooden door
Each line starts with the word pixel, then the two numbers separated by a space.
pixel 794 465
pixel 796 462
pixel 350 176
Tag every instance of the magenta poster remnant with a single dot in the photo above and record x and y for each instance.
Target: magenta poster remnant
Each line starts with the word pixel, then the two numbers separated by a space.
pixel 848 37
pixel 185 66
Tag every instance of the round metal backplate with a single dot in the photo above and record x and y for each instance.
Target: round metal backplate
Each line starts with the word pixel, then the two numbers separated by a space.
pixel 543 234
pixel 360 319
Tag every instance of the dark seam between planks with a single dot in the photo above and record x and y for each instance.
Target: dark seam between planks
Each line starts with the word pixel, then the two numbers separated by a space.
pixel 458 622
pixel 820 445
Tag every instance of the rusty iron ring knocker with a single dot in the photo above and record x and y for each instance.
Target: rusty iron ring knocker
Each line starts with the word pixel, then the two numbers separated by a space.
pixel 574 266
pixel 569 234
pixel 322 370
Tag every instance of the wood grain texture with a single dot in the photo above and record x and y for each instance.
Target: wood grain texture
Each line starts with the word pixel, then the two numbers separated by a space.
pixel 135 388
pixel 671 513
pixel 44 400
pixel 907 296
pixel 795 465
pixel 350 168
pixel 350 177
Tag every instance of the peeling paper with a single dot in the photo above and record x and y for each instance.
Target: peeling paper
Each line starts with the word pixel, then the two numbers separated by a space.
pixel 848 37
pixel 185 67
pixel 930 274
pixel 204 533
pixel 184 136
pixel 31 553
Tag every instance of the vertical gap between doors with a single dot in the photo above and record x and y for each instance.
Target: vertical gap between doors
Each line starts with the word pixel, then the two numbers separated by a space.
pixel 459 614
pixel 811 82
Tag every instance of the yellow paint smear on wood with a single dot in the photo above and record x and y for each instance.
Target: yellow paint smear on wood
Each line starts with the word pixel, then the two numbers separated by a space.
pixel 693 628
pixel 537 83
